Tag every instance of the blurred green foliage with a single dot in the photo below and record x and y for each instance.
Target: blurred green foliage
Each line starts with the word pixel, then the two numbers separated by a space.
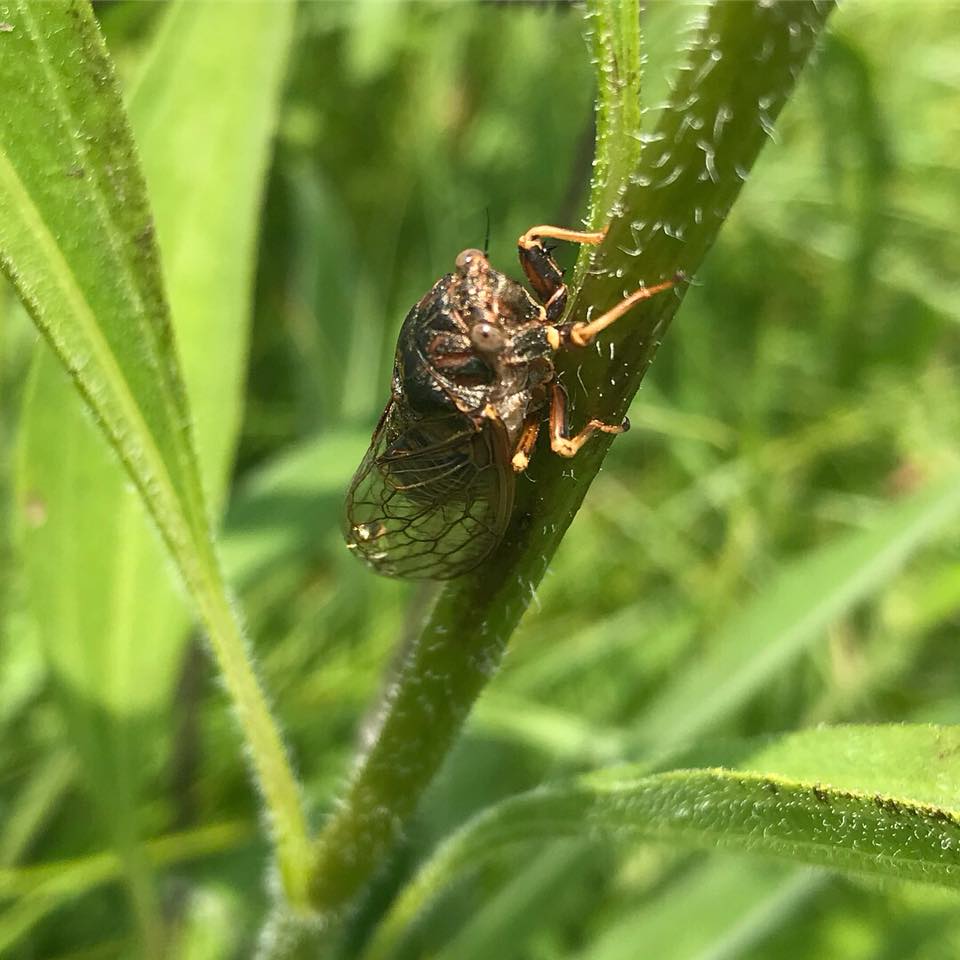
pixel 810 382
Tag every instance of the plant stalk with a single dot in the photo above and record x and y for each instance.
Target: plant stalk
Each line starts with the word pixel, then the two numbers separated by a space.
pixel 665 212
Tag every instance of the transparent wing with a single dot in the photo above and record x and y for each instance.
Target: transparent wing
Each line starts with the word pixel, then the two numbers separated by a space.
pixel 432 496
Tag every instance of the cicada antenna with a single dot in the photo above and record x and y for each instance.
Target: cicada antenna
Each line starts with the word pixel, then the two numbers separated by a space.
pixel 486 236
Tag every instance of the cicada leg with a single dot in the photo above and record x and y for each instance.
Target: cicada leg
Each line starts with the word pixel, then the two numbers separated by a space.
pixel 525 445
pixel 560 440
pixel 541 269
pixel 583 334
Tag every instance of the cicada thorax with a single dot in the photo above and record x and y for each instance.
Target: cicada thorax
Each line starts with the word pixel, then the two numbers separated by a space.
pixel 474 344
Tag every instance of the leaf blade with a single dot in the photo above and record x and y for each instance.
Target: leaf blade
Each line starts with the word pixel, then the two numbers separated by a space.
pixel 861 812
pixel 91 281
pixel 79 248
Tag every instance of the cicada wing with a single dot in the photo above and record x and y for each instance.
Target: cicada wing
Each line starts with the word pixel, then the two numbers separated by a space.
pixel 432 496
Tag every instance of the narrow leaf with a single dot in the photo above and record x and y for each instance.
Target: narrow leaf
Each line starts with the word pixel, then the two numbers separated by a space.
pixel 77 239
pixel 206 200
pixel 735 903
pixel 876 800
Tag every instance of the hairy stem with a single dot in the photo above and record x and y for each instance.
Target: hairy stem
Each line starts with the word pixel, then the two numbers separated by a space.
pixel 664 212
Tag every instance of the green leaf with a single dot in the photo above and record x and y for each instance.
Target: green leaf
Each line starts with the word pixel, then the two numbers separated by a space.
pixel 665 217
pixel 613 32
pixel 876 800
pixel 106 618
pixel 205 183
pixel 77 240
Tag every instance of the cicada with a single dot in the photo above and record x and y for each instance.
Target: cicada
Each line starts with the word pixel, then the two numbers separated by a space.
pixel 473 380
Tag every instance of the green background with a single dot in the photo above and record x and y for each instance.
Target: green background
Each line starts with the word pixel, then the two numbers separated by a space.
pixel 774 546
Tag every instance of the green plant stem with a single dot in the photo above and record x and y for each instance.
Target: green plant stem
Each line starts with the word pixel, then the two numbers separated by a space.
pixel 274 774
pixel 613 32
pixel 448 665
pixel 743 62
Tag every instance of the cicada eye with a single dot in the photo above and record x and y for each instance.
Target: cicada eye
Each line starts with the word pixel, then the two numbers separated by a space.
pixel 487 338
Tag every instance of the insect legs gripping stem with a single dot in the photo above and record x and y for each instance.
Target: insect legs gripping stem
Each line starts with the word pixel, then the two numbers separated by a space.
pixel 546 278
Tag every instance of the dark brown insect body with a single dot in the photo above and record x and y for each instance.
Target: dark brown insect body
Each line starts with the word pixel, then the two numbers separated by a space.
pixel 472 379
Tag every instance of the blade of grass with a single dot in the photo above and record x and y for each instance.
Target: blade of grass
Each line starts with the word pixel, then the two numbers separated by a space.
pixel 729 109
pixel 734 902
pixel 25 815
pixel 522 905
pixel 792 611
pixel 77 240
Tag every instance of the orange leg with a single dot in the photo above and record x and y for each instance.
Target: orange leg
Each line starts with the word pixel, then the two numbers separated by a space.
pixel 541 269
pixel 560 440
pixel 528 438
pixel 583 334
pixel 535 234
